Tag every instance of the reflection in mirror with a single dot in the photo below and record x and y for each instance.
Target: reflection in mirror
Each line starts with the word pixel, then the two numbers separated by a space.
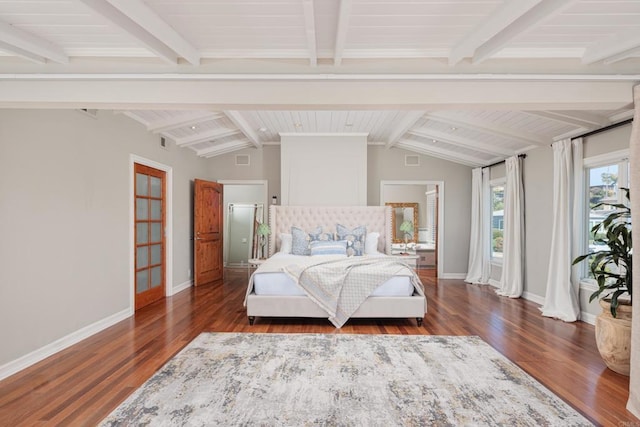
pixel 404 221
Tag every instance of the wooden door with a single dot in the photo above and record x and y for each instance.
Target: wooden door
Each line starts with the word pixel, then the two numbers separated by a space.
pixel 207 224
pixel 150 191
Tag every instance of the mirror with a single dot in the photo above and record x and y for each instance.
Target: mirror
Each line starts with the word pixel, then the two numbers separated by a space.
pixel 402 212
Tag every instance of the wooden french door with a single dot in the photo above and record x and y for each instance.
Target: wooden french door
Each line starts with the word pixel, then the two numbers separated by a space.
pixel 150 195
pixel 207 224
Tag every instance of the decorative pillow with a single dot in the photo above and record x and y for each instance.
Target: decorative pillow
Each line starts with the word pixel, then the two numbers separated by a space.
pixel 317 234
pixel 300 241
pixel 371 243
pixel 355 238
pixel 328 247
pixel 286 242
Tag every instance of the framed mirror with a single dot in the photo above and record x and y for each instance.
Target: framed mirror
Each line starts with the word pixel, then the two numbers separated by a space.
pixel 401 213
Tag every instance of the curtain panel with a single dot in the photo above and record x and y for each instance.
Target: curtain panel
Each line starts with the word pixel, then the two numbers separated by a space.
pixel 512 279
pixel 561 299
pixel 479 244
pixel 633 405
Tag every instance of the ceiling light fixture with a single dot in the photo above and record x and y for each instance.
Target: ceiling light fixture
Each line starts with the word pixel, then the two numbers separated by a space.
pixel 194 127
pixel 262 129
pixel 298 125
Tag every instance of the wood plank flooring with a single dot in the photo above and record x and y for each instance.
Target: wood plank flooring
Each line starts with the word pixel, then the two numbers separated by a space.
pixel 82 384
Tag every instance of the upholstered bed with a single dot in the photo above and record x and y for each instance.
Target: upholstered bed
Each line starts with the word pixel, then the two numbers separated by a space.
pixel 272 293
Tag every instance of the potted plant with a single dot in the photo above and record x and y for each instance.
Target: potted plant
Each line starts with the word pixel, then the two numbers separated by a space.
pixel 612 270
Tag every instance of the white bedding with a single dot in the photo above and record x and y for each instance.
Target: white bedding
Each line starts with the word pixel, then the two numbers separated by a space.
pixel 267 281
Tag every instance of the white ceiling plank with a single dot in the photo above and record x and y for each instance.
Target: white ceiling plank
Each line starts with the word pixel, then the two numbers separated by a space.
pixel 237 119
pixel 30 46
pixel 310 31
pixel 205 136
pixel 582 119
pixel 546 9
pixel 439 153
pixel 463 142
pixel 341 31
pixel 119 19
pixel 496 22
pixel 183 120
pixel 617 46
pixel 407 122
pixel 490 128
pixel 142 15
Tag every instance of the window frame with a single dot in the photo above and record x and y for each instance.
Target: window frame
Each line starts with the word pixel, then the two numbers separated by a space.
pixel 497 182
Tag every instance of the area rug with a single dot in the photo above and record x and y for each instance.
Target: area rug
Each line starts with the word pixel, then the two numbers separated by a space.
pixel 341 380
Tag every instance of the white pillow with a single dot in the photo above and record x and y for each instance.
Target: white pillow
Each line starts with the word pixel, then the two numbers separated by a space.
pixel 286 241
pixel 371 243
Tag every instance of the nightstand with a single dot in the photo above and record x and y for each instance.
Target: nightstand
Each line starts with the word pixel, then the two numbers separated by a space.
pixel 410 259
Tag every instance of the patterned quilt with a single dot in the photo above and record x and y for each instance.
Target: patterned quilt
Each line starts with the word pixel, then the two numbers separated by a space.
pixel 340 286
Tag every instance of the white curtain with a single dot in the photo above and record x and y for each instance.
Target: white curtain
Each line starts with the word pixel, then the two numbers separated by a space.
pixel 512 279
pixel 633 404
pixel 561 300
pixel 479 245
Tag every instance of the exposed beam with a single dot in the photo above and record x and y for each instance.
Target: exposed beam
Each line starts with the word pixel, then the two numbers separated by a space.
pixel 631 53
pixel 134 28
pixel 237 119
pixel 310 30
pixel 460 141
pixel 183 120
pixel 205 136
pixel 29 46
pixel 341 32
pixel 497 21
pixel 582 119
pixel 225 148
pixel 490 128
pixel 440 153
pixel 405 124
pixel 546 9
pixel 617 46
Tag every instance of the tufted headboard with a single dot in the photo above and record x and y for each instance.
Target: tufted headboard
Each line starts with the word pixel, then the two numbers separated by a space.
pixel 375 218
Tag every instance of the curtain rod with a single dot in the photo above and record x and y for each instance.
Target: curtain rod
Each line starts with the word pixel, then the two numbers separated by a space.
pixel 606 128
pixel 521 156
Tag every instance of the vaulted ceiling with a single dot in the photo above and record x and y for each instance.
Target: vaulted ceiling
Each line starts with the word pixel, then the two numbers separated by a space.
pixel 471 81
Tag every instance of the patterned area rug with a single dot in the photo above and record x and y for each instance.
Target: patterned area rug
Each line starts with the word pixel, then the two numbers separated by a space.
pixel 338 379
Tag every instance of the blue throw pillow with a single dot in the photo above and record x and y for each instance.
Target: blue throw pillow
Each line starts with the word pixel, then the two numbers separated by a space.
pixel 328 247
pixel 355 238
pixel 300 241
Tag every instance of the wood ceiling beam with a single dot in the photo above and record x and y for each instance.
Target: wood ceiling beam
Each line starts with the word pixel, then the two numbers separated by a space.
pixel 440 153
pixel 205 137
pixel 614 48
pixel 499 19
pixel 310 31
pixel 240 122
pixel 142 23
pixel 29 46
pixel 582 119
pixel 489 128
pixel 409 120
pixel 341 31
pixel 182 121
pixel 225 148
pixel 462 142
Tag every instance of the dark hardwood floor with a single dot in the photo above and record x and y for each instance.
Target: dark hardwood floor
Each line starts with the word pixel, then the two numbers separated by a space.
pixel 82 384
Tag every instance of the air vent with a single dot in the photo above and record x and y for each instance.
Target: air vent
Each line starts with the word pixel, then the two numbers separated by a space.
pixel 164 143
pixel 411 160
pixel 242 160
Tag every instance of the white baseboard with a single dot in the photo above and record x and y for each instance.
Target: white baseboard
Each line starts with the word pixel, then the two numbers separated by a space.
pixel 588 317
pixel 533 298
pixel 459 276
pixel 182 286
pixel 42 353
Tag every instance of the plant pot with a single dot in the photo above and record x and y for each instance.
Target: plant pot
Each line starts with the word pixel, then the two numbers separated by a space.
pixel 613 337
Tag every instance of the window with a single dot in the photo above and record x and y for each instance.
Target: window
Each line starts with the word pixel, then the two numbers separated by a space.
pixel 497 220
pixel 604 176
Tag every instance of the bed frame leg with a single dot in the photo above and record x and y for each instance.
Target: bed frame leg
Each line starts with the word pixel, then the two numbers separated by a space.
pixel 251 320
pixel 419 321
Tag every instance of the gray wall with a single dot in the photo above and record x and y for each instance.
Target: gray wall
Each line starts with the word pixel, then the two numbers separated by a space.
pixel 64 220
